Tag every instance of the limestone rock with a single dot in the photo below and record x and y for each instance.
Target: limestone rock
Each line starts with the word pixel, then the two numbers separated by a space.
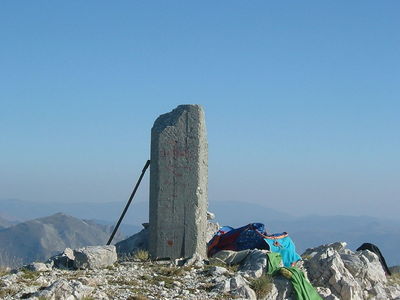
pixel 237 282
pixel 348 275
pixel 195 260
pixel 222 284
pixel 94 257
pixel 231 257
pixel 252 263
pixel 138 241
pixel 237 286
pixel 212 228
pixel 281 289
pixel 244 292
pixel 218 271
pixel 255 263
pixel 64 260
pixel 133 279
pixel 65 290
pixel 326 294
pixel 38 267
pixel 210 216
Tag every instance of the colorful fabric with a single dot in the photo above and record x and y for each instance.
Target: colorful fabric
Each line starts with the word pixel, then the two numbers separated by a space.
pixel 274 263
pixel 286 248
pixel 246 237
pixel 302 287
pixel 276 236
pixel 253 236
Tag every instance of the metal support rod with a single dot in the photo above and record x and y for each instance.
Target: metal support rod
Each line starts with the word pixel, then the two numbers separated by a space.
pixel 129 202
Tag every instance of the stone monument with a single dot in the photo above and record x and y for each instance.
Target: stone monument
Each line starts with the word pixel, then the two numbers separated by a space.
pixel 178 184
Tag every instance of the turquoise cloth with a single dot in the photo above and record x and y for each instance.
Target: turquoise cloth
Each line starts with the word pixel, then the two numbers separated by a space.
pixel 286 248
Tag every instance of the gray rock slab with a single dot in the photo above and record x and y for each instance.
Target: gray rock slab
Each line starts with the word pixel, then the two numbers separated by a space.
pixel 255 263
pixel 231 257
pixel 94 257
pixel 178 184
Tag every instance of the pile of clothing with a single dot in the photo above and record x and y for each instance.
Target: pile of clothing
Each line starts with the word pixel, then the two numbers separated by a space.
pixel 282 256
pixel 254 236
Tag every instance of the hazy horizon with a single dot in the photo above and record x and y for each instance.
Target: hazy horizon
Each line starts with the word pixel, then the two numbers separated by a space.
pixel 121 204
pixel 301 99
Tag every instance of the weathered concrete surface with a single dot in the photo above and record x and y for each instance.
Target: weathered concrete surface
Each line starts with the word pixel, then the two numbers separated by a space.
pixel 178 184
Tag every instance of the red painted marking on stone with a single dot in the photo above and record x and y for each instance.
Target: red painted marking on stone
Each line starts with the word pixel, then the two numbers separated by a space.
pixel 170 242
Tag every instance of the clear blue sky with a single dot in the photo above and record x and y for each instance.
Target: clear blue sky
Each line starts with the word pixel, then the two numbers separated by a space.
pixel 301 98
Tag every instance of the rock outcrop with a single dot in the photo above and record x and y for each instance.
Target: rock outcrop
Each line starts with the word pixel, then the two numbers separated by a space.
pixel 348 275
pixel 95 257
pixel 335 272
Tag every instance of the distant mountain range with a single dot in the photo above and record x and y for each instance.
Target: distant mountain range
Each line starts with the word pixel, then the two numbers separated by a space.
pixel 41 238
pixel 4 222
pixel 306 231
pixel 312 231
pixel 107 211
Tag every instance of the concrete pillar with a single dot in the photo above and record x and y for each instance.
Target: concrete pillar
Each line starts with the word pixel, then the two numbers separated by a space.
pixel 178 184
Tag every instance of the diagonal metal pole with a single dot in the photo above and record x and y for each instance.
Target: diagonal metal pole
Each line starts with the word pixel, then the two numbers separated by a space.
pixel 129 202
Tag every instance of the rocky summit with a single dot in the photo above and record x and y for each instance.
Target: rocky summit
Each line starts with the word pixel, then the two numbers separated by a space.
pixel 96 273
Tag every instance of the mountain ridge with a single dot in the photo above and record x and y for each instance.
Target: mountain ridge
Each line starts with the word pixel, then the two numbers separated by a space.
pixel 306 231
pixel 38 239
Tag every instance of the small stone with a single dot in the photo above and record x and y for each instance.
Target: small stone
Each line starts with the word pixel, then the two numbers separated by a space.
pixel 38 267
pixel 244 292
pixel 217 270
pixel 195 260
pixel 185 292
pixel 177 283
pixel 237 282
pixel 210 216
